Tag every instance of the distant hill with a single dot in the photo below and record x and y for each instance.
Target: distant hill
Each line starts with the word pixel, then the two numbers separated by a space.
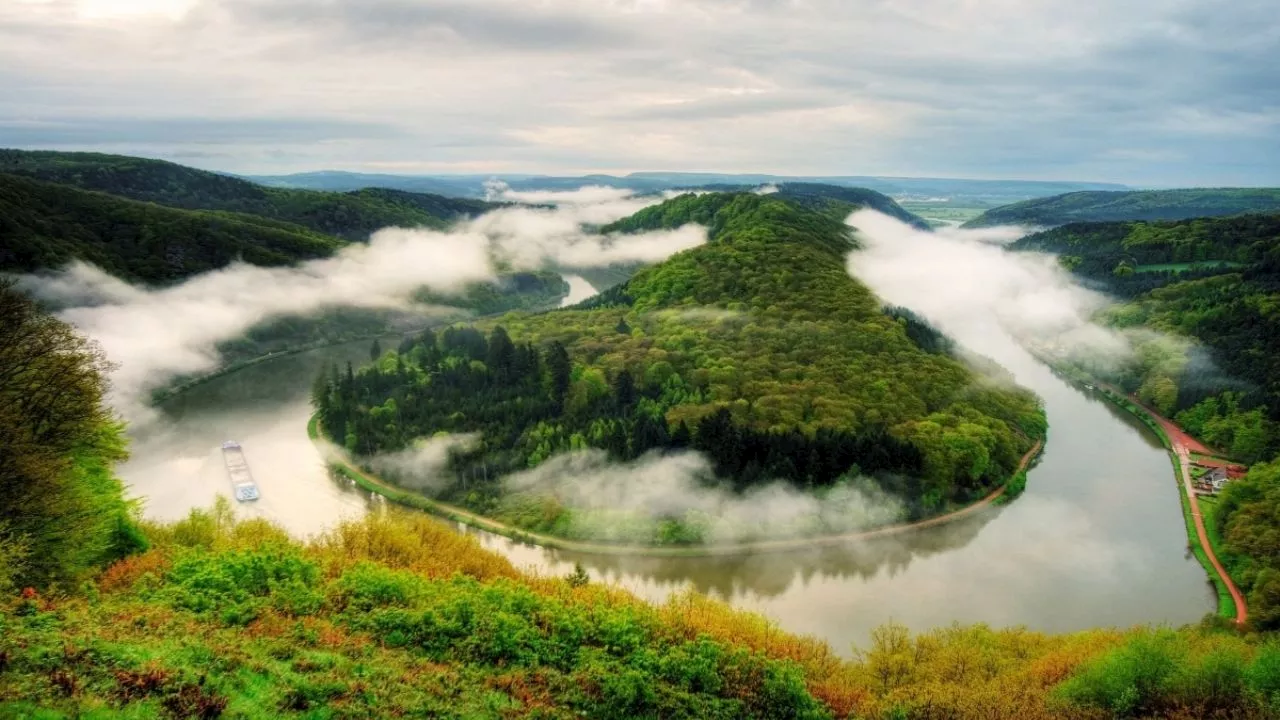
pixel 837 201
pixel 1131 205
pixel 352 216
pixel 985 193
pixel 339 181
pixel 44 225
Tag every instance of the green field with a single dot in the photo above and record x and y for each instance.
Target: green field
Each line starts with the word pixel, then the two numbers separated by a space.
pixel 1184 267
pixel 940 214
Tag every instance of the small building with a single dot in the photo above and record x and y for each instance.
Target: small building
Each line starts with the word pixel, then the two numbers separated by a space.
pixel 1216 477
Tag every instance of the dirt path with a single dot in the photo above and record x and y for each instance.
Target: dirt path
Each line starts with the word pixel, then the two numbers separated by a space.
pixel 1183 446
pixel 1184 464
pixel 481 522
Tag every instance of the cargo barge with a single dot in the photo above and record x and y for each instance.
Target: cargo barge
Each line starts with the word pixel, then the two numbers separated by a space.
pixel 238 470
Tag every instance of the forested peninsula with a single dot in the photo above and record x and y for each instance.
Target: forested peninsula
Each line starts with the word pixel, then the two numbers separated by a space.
pixel 756 349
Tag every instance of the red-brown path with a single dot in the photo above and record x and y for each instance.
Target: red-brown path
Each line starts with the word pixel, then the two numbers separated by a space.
pixel 1183 446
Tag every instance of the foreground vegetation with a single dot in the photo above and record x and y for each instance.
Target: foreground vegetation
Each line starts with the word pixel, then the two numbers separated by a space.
pixel 398 615
pixel 756 349
pixel 1113 206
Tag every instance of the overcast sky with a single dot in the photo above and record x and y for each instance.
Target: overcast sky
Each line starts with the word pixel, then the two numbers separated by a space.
pixel 1155 92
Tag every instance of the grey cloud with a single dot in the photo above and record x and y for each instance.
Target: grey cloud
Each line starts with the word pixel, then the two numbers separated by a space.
pixel 732 106
pixel 1136 92
pixel 506 25
pixel 214 131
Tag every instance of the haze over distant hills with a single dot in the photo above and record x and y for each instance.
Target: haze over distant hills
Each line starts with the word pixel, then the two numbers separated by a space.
pixel 993 192
pixel 1093 206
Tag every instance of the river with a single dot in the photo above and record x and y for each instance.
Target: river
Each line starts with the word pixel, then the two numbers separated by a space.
pixel 1097 539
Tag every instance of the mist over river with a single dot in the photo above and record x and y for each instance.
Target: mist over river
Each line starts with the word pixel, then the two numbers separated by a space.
pixel 1097 539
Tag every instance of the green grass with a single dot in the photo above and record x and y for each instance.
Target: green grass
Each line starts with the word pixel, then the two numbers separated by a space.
pixel 943 214
pixel 1183 267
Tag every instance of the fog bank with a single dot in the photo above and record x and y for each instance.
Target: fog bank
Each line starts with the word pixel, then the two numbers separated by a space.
pixel 680 486
pixel 154 335
pixel 964 282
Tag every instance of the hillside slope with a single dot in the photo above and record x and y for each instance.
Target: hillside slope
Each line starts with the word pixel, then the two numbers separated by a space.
pixel 757 349
pixel 45 226
pixel 352 216
pixel 835 201
pixel 1105 206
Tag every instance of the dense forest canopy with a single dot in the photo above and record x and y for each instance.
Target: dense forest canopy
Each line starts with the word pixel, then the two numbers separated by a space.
pixel 758 349
pixel 1111 206
pixel 834 200
pixel 45 226
pixel 1211 281
pixel 351 215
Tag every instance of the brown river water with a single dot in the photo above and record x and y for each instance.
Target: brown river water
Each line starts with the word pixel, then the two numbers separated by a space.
pixel 1097 539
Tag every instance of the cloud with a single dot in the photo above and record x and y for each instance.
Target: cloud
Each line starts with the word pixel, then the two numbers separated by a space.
pixel 186 130
pixel 156 335
pixel 682 486
pixel 1035 90
pixel 500 24
pixel 425 465
pixel 969 286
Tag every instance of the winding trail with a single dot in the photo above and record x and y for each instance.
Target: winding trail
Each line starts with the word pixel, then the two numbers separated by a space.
pixel 335 457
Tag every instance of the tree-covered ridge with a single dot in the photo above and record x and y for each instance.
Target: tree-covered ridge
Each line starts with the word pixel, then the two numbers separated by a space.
pixel 758 349
pixel 837 201
pixel 352 216
pixel 527 291
pixel 1108 206
pixel 1130 258
pixel 1209 286
pixel 45 226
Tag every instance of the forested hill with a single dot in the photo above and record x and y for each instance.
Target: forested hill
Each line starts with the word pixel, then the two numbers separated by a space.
pixel 44 226
pixel 1214 281
pixel 837 201
pixel 757 348
pixel 351 215
pixel 1129 258
pixel 1107 206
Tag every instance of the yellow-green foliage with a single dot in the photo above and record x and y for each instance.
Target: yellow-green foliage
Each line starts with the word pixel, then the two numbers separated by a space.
pixel 398 615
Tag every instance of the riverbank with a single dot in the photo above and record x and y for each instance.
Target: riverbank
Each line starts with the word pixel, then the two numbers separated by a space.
pixel 1180 445
pixel 374 484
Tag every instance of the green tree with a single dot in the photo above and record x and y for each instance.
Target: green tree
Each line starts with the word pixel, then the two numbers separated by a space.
pixel 62 509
